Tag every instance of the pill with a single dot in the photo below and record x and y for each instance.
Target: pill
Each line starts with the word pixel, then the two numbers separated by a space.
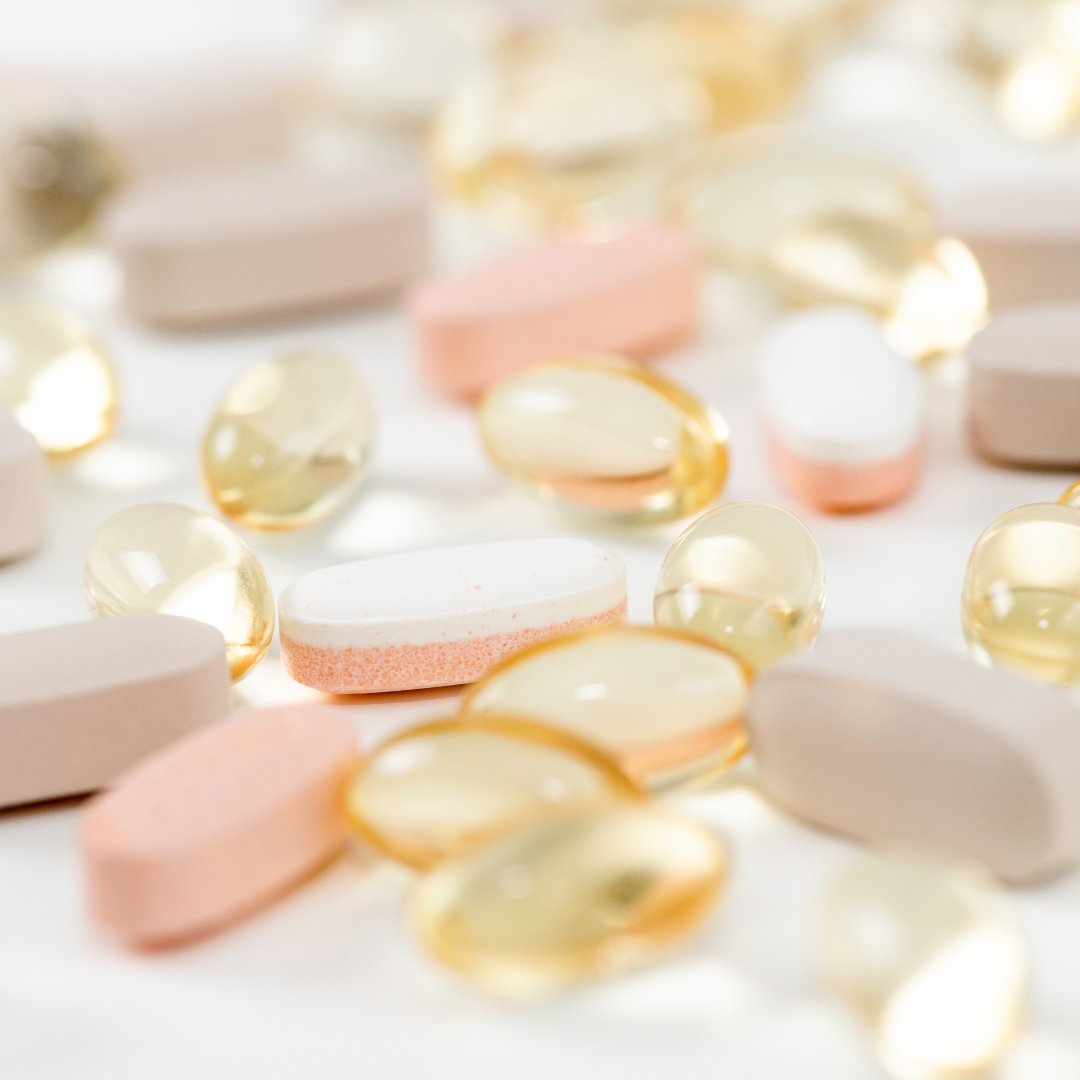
pixel 79 704
pixel 634 293
pixel 1024 387
pixel 289 442
pixel 443 616
pixel 265 241
pixel 438 790
pixel 1071 495
pixel 574 897
pixel 891 740
pixel 22 490
pixel 217 825
pixel 928 957
pixel 747 576
pixel 162 557
pixel 55 378
pixel 843 410
pixel 1021 598
pixel 665 704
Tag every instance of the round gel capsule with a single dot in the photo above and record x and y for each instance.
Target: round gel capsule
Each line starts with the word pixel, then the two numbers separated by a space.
pixel 444 787
pixel 172 560
pixel 667 705
pixel 1021 600
pixel 570 898
pixel 749 577
pixel 607 435
pixel 1071 496
pixel 55 377
pixel 289 442
pixel 927 957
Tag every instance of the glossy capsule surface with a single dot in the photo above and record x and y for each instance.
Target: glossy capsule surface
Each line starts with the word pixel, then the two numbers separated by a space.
pixel 1071 496
pixel 443 788
pixel 928 958
pixel 172 560
pixel 289 441
pixel 747 575
pixel 606 435
pixel 55 378
pixel 571 898
pixel 667 705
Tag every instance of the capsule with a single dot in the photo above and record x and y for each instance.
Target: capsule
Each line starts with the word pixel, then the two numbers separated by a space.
pixel 929 959
pixel 170 559
pixel 1021 599
pixel 570 898
pixel 55 378
pixel 445 787
pixel 606 435
pixel 289 442
pixel 749 577
pixel 1071 496
pixel 667 705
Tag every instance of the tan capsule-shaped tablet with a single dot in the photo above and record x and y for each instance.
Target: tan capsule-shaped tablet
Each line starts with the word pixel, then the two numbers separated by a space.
pixel 891 740
pixel 574 897
pixel 218 825
pixel 442 788
pixel 22 490
pixel 80 704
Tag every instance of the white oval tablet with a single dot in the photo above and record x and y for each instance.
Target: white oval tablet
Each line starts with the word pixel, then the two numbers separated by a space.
pixel 891 740
pixel 22 490
pixel 444 616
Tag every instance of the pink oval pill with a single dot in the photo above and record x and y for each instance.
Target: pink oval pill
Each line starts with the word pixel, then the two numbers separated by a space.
pixel 22 490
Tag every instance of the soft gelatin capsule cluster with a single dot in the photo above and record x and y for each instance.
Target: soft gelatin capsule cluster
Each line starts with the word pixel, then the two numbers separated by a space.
pixel 289 442
pixel 172 560
pixel 607 435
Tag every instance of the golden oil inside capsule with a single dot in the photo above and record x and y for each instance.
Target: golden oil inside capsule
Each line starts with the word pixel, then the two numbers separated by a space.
pixel 571 898
pixel 1071 496
pixel 55 377
pixel 172 560
pixel 747 575
pixel 607 435
pixel 1021 600
pixel 927 957
pixel 667 706
pixel 288 444
pixel 444 787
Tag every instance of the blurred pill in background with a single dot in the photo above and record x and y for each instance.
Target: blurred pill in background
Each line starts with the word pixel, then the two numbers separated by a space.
pixel 22 490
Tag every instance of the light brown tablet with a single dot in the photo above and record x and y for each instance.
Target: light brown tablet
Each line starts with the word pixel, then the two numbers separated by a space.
pixel 81 703
pixel 893 741
pixel 22 490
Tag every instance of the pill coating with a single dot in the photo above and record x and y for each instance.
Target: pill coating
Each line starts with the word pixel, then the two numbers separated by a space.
pixel 22 490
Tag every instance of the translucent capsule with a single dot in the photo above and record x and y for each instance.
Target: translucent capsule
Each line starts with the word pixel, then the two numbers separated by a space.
pixel 927 957
pixel 570 898
pixel 747 575
pixel 1021 600
pixel 606 435
pixel 288 444
pixel 442 788
pixel 55 378
pixel 170 559
pixel 667 705
pixel 1071 496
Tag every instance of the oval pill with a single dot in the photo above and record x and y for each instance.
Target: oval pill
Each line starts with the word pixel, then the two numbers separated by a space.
pixel 22 490
pixel 218 825
pixel 440 617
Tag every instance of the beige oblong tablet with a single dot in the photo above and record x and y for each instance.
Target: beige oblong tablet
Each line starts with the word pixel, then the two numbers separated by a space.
pixel 22 490
pixel 219 824
pixel 81 703
pixel 269 241
pixel 891 740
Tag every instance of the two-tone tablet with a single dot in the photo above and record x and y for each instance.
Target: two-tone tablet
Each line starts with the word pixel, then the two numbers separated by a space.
pixel 22 490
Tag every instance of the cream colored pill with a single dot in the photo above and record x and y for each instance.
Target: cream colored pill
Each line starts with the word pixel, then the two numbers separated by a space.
pixel 22 490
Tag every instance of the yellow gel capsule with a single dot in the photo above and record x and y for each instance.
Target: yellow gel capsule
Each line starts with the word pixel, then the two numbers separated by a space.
pixel 289 442
pixel 171 560
pixel 747 575
pixel 571 898
pixel 1021 600
pixel 1071 496
pixel 444 787
pixel 608 436
pixel 928 958
pixel 55 377
pixel 667 705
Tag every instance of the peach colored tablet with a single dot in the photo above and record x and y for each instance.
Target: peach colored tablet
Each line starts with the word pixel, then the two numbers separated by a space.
pixel 218 824
pixel 894 741
pixel 22 490
pixel 634 294
pixel 441 617
pixel 81 703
